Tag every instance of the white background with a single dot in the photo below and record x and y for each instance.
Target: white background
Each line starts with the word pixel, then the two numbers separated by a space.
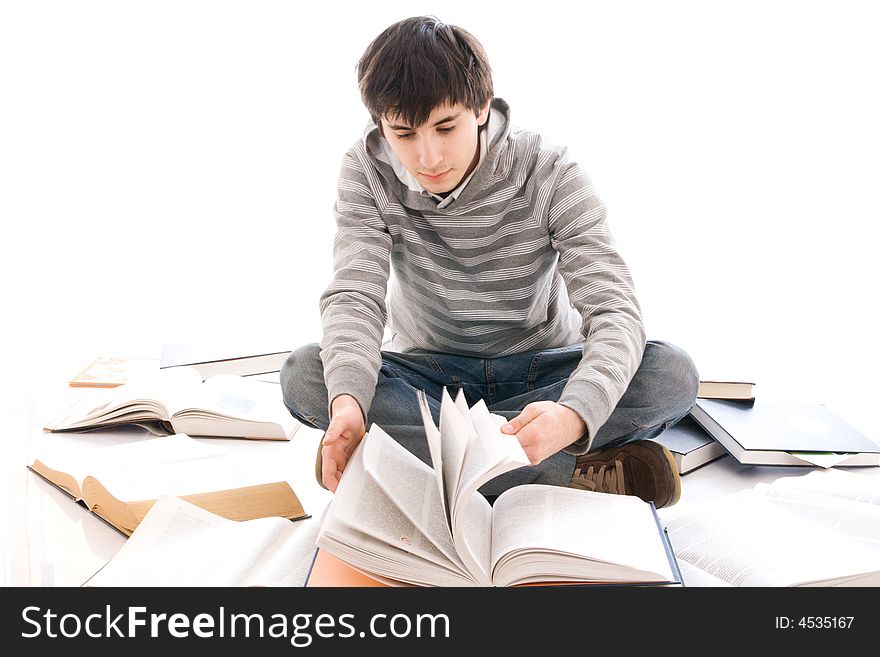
pixel 167 170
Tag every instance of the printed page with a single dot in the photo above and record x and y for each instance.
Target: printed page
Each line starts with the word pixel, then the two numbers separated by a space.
pixel 178 465
pixel 252 409
pixel 487 453
pixel 857 520
pixel 846 485
pixel 746 540
pixel 456 432
pixel 412 484
pixel 148 397
pixel 180 544
pixel 432 434
pixel 361 507
pixel 619 530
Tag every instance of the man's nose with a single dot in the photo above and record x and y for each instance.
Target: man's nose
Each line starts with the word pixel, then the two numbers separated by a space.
pixel 430 153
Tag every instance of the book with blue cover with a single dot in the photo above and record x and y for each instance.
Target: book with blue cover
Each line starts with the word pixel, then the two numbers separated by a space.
pixel 775 433
pixel 690 444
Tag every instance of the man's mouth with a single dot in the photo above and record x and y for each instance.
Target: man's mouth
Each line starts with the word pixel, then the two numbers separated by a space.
pixel 436 178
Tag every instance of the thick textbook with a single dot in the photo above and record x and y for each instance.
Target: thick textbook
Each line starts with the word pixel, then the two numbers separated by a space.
pixel 211 359
pixel 818 529
pixel 690 444
pixel 178 401
pixel 120 483
pixel 180 544
pixel 400 521
pixel 770 433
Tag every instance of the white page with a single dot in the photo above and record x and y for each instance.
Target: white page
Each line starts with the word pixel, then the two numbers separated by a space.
pixel 747 540
pixel 178 465
pixel 488 453
pixel 432 434
pixel 153 395
pixel 360 504
pixel 859 521
pixel 412 484
pixel 614 529
pixel 847 485
pixel 142 454
pixel 455 431
pixel 180 544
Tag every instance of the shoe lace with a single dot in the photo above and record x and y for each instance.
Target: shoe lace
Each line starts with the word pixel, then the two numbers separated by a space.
pixel 604 480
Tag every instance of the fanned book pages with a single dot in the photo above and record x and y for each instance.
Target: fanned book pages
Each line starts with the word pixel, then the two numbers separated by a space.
pixel 404 523
pixel 177 401
pixel 819 529
pixel 180 544
pixel 119 483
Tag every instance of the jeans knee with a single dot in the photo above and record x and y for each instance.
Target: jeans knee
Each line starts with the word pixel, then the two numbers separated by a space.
pixel 679 374
pixel 300 374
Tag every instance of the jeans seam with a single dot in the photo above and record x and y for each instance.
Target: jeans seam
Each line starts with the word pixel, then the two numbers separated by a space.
pixel 533 371
pixel 433 362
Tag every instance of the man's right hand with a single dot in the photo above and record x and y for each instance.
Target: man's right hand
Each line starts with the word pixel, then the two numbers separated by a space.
pixel 345 431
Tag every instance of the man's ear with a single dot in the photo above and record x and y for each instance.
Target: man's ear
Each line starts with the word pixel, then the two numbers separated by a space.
pixel 483 116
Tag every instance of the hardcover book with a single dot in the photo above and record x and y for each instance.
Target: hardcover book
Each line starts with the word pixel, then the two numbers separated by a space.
pixel 210 359
pixel 690 444
pixel 768 433
pixel 402 522
pixel 178 401
pixel 744 390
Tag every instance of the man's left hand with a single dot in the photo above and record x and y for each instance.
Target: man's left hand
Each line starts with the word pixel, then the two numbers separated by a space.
pixel 544 428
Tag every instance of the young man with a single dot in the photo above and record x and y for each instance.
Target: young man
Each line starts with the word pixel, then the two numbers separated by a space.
pixel 506 284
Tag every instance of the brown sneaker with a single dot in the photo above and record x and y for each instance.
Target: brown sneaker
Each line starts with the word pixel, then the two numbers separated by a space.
pixel 643 468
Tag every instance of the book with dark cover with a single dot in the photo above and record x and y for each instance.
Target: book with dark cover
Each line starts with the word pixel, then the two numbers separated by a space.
pixel 770 433
pixel 690 444
pixel 210 359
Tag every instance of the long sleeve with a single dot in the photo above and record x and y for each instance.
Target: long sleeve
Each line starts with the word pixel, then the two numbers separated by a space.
pixel 353 310
pixel 601 289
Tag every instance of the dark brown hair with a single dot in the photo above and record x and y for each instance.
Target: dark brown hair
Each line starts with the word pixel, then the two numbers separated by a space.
pixel 420 63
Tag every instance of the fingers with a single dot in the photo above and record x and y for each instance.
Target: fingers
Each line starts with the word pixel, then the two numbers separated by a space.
pixel 528 414
pixel 332 466
pixel 337 447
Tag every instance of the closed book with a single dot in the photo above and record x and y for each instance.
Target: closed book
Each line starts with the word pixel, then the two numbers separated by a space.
pixel 774 433
pixel 726 390
pixel 210 359
pixel 690 444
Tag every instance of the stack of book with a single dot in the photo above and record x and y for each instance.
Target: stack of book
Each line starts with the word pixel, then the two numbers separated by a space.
pixel 727 419
pixel 690 444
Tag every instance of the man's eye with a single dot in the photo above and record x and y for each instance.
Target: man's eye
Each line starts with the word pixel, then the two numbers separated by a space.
pixel 406 135
pixel 449 129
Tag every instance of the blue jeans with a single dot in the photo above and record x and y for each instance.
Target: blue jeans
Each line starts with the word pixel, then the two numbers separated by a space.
pixel 662 391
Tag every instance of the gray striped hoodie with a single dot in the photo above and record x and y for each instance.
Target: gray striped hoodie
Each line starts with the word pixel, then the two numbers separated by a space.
pixel 522 260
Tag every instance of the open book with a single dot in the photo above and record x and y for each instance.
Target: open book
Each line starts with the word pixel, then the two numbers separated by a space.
pixel 819 529
pixel 177 401
pixel 120 483
pixel 180 544
pixel 402 522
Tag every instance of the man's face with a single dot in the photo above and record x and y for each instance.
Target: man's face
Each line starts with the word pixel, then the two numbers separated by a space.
pixel 441 152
